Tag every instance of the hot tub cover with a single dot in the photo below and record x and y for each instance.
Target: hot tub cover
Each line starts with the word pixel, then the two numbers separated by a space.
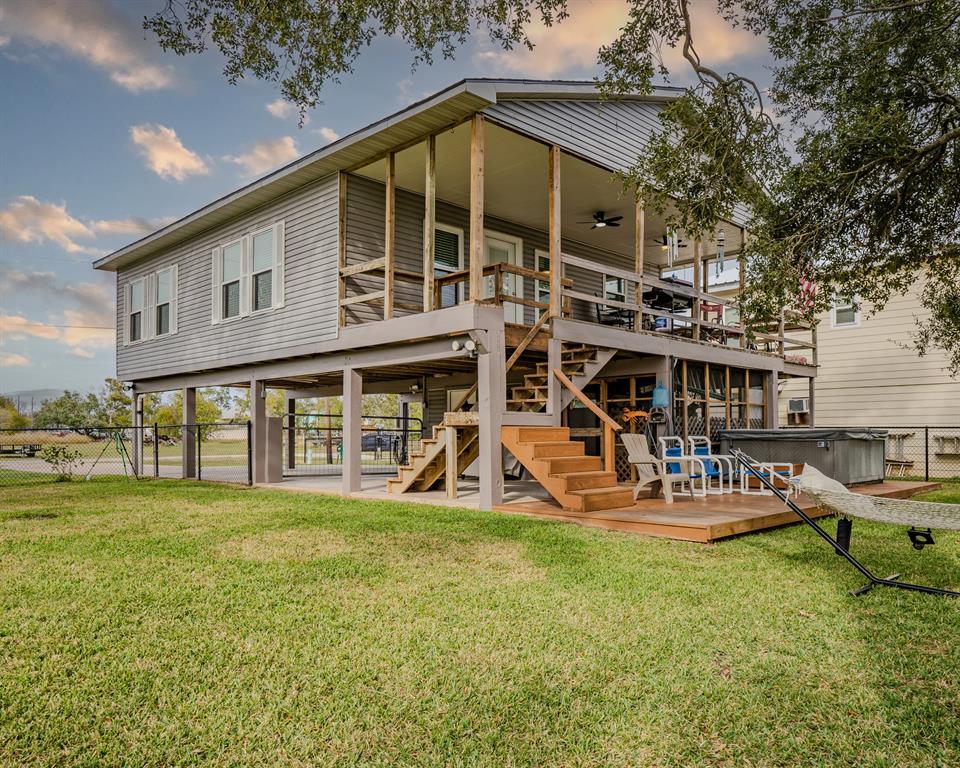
pixel 814 433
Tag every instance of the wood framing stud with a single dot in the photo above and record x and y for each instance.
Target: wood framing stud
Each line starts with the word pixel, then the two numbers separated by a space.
pixel 390 235
pixel 429 221
pixel 554 222
pixel 697 269
pixel 476 207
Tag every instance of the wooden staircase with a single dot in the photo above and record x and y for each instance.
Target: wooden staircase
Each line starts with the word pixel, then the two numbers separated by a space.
pixel 428 465
pixel 581 362
pixel 559 464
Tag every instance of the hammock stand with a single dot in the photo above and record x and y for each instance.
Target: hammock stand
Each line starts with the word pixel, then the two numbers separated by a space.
pixel 747 464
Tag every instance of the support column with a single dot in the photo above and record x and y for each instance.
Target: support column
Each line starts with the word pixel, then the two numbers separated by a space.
pixel 554 391
pixel 476 207
pixel 389 237
pixel 638 241
pixel 771 400
pixel 491 401
pixel 812 400
pixel 743 286
pixel 291 433
pixel 697 269
pixel 429 221
pixel 258 419
pixel 352 418
pixel 137 441
pixel 554 237
pixel 188 433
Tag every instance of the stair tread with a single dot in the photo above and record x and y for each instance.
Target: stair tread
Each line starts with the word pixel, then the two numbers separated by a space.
pixel 601 491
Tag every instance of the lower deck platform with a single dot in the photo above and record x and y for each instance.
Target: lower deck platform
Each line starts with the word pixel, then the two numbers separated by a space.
pixel 702 519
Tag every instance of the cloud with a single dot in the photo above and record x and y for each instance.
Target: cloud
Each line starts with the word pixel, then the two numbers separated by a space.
pixel 94 299
pixel 266 155
pixel 327 133
pixel 29 220
pixel 80 331
pixel 92 30
pixel 571 46
pixel 13 359
pixel 165 154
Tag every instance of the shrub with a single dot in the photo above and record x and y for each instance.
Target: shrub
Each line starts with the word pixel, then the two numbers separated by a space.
pixel 62 460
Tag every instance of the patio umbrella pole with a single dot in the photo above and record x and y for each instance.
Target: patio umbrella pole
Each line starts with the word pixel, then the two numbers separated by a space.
pixel 874 581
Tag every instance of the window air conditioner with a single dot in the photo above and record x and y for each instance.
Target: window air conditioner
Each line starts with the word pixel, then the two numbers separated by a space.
pixel 798 405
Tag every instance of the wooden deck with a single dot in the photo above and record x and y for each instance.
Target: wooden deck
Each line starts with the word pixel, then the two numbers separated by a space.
pixel 702 519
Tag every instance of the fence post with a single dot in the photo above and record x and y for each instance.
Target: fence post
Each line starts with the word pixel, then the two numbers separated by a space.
pixel 926 453
pixel 199 456
pixel 156 450
pixel 249 452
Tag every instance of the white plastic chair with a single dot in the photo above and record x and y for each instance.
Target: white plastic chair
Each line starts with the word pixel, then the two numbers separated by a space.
pixel 702 448
pixel 673 448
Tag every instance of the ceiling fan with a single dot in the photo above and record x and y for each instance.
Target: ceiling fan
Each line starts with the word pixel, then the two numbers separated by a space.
pixel 600 220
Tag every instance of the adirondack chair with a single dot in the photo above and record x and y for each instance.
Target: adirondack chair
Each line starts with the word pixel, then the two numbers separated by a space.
pixel 653 471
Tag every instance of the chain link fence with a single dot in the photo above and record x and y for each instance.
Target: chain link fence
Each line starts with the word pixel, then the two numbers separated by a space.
pixel 923 453
pixel 219 452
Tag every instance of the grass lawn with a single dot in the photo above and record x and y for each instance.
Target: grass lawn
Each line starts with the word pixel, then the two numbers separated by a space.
pixel 173 623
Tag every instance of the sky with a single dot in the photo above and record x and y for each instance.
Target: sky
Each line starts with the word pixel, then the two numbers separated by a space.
pixel 104 138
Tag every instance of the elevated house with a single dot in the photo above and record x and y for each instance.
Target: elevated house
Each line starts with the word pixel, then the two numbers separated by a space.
pixel 475 248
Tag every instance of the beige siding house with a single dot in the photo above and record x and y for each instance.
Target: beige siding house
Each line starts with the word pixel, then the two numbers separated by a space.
pixel 870 376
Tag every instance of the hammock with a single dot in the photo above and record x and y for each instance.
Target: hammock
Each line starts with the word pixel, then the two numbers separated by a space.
pixel 830 494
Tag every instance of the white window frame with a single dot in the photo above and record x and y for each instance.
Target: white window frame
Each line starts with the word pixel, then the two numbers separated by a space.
pixel 172 301
pixel 278 281
pixel 148 309
pixel 458 231
pixel 622 294
pixel 854 302
pixel 129 311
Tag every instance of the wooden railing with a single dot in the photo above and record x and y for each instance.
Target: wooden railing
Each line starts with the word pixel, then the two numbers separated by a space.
pixel 500 296
pixel 610 427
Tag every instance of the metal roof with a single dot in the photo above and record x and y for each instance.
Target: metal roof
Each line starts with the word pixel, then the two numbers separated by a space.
pixel 441 110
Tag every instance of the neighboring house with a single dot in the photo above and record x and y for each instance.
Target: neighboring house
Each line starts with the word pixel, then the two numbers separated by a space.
pixel 464 249
pixel 871 376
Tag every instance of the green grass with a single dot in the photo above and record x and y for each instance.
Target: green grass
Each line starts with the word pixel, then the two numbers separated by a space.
pixel 173 623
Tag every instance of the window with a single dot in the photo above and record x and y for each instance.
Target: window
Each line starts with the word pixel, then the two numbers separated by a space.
pixel 614 288
pixel 164 299
pixel 447 258
pixel 248 274
pixel 845 312
pixel 232 270
pixel 135 328
pixel 151 303
pixel 542 287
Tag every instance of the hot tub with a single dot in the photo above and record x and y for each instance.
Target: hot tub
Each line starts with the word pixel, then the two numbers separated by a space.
pixel 848 454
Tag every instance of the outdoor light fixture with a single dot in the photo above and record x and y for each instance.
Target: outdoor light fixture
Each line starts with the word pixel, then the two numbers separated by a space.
pixel 721 250
pixel 470 345
pixel 456 346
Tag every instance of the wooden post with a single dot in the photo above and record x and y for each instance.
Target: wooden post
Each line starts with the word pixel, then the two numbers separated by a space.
pixel 812 400
pixel 450 468
pixel 491 403
pixel 429 221
pixel 389 237
pixel 554 221
pixel 697 268
pixel 258 421
pixel 342 246
pixel 609 449
pixel 743 286
pixel 638 241
pixel 352 443
pixel 137 441
pixel 780 332
pixel 476 207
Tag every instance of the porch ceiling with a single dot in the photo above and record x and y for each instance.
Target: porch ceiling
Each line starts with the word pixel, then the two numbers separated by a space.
pixel 516 190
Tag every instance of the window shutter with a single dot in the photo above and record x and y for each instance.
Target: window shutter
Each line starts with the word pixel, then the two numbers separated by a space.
pixel 125 309
pixel 278 267
pixel 174 299
pixel 216 272
pixel 149 317
pixel 245 265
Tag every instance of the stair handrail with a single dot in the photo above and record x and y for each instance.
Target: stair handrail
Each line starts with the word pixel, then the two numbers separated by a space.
pixel 610 427
pixel 531 335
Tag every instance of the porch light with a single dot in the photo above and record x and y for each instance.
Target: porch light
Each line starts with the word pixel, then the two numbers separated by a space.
pixel 721 250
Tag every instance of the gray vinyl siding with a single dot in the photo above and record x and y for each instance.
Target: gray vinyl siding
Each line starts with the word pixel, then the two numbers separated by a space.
pixel 365 237
pixel 612 133
pixel 309 313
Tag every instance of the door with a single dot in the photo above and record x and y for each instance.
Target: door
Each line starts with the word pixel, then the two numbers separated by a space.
pixel 499 248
